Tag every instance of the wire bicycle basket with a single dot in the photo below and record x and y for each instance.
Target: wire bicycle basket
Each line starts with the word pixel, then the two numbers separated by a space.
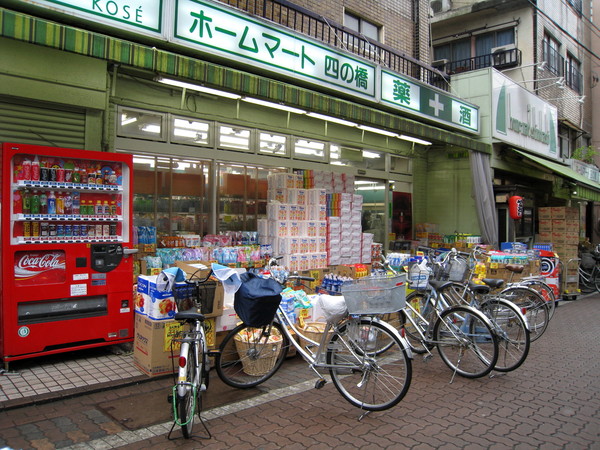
pixel 375 295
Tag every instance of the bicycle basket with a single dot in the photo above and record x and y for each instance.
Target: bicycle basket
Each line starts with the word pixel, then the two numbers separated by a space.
pixel 257 299
pixel 458 270
pixel 375 295
pixel 189 295
pixel 587 261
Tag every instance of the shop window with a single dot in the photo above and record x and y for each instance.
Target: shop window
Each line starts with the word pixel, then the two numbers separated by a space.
pixel 141 124
pixel 356 157
pixel 191 132
pixel 311 150
pixel 234 138
pixel 171 194
pixel 242 196
pixel 273 144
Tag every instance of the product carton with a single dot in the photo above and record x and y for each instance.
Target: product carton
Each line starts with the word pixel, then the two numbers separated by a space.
pixel 152 302
pixel 227 321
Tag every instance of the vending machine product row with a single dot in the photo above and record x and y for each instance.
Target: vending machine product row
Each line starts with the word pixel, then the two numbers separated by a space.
pixel 66 245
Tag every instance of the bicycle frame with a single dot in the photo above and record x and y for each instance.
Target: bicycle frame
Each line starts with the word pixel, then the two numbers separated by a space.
pixel 316 359
pixel 196 337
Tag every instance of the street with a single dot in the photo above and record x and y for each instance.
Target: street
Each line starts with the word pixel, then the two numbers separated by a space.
pixel 552 401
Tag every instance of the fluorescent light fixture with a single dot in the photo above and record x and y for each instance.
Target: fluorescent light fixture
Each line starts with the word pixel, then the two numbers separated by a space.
pixel 414 139
pixel 196 87
pixel 580 98
pixel 377 130
pixel 126 121
pixel 151 128
pixel 370 155
pixel 332 119
pixel 558 80
pixel 370 188
pixel 280 106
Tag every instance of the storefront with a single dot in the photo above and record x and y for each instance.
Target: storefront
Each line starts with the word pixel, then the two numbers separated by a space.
pixel 202 157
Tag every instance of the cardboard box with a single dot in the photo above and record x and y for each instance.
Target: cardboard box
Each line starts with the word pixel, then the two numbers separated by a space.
pixel 152 345
pixel 545 225
pixel 545 213
pixel 155 349
pixel 227 321
pixel 565 212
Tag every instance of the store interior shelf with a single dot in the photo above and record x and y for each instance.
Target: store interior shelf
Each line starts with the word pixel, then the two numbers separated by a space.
pixel 67 186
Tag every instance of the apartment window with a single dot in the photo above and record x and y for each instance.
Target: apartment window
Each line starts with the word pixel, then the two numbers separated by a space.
pixel 362 26
pixel 484 43
pixel 551 54
pixel 573 77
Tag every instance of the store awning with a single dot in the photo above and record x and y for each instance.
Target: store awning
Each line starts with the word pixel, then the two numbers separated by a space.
pixel 587 188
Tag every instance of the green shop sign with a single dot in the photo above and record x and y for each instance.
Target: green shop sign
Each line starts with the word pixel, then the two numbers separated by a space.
pixel 403 93
pixel 206 26
pixel 145 15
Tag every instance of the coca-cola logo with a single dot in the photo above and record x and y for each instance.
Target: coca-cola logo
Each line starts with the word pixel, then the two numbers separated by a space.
pixel 45 261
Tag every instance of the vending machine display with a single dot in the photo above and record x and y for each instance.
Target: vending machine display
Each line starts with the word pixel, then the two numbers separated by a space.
pixel 67 270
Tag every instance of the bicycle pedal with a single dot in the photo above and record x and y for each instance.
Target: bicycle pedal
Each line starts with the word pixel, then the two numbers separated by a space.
pixel 427 357
pixel 170 398
pixel 320 383
pixel 203 387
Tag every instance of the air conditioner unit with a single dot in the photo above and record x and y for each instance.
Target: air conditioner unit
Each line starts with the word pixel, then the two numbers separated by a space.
pixel 440 6
pixel 440 64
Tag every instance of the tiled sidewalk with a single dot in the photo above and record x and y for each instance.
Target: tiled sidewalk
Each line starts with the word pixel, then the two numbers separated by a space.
pixel 66 374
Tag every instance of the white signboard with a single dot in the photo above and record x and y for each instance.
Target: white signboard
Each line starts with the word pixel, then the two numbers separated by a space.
pixel 522 119
pixel 137 15
pixel 210 28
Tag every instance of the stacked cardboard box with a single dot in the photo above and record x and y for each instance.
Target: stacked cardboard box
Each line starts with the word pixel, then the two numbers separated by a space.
pixel 560 225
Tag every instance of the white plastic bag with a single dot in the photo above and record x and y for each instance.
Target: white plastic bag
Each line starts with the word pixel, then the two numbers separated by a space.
pixel 419 275
pixel 332 306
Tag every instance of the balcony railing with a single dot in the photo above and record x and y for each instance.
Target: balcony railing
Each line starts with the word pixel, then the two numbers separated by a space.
pixel 500 59
pixel 310 24
pixel 589 171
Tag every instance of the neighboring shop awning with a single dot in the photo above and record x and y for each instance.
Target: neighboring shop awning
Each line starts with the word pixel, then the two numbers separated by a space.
pixel 587 189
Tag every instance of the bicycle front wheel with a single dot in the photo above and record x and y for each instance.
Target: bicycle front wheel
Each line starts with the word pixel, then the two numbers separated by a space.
pixel 364 374
pixel 466 341
pixel 188 397
pixel 249 356
pixel 511 330
pixel 546 292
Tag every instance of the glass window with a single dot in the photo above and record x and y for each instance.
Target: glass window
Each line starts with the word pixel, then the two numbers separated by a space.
pixel 234 138
pixel 399 164
pixel 551 48
pixel 141 124
pixel 311 150
pixel 362 26
pixel 273 144
pixel 573 76
pixel 188 131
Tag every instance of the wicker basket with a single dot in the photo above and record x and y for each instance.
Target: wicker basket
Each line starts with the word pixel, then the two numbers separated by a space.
pixel 314 331
pixel 258 359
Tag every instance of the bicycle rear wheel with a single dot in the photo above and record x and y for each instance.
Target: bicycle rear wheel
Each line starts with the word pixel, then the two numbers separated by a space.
pixel 511 330
pixel 250 356
pixel 466 341
pixel 365 375
pixel 188 396
pixel 414 319
pixel 534 305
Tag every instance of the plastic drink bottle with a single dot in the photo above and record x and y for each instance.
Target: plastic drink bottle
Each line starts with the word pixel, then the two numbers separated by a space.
pixel 68 203
pixel 26 202
pixel 60 203
pixel 43 203
pixel 76 203
pixel 51 203
pixel 34 203
pixel 26 169
pixel 35 170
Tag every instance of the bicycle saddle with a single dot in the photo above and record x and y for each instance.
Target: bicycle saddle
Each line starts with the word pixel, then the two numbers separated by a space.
pixel 515 268
pixel 190 314
pixel 493 283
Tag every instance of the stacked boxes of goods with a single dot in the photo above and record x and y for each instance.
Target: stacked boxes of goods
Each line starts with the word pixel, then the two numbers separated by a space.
pixel 560 225
pixel 296 223
pixel 344 228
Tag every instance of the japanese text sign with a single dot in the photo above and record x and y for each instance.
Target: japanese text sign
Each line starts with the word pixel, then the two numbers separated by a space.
pixel 211 28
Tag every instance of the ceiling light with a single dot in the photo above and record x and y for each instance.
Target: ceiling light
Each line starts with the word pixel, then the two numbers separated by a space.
pixel 377 130
pixel 280 106
pixel 370 155
pixel 196 87
pixel 413 139
pixel 332 119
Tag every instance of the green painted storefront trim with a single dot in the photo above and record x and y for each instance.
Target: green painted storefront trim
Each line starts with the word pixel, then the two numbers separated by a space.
pixel 39 31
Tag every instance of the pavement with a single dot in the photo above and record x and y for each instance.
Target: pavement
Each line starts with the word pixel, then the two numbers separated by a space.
pixel 97 399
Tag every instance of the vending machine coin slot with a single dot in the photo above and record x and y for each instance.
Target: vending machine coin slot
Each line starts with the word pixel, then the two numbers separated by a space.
pixel 106 257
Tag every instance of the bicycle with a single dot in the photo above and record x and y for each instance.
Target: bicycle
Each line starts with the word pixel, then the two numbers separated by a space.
pixel 589 271
pixel 191 296
pixel 510 324
pixel 368 361
pixel 463 336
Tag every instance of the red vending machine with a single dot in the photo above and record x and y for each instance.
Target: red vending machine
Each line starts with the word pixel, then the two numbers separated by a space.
pixel 66 244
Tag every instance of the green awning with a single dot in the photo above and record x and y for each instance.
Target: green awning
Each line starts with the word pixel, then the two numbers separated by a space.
pixel 590 190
